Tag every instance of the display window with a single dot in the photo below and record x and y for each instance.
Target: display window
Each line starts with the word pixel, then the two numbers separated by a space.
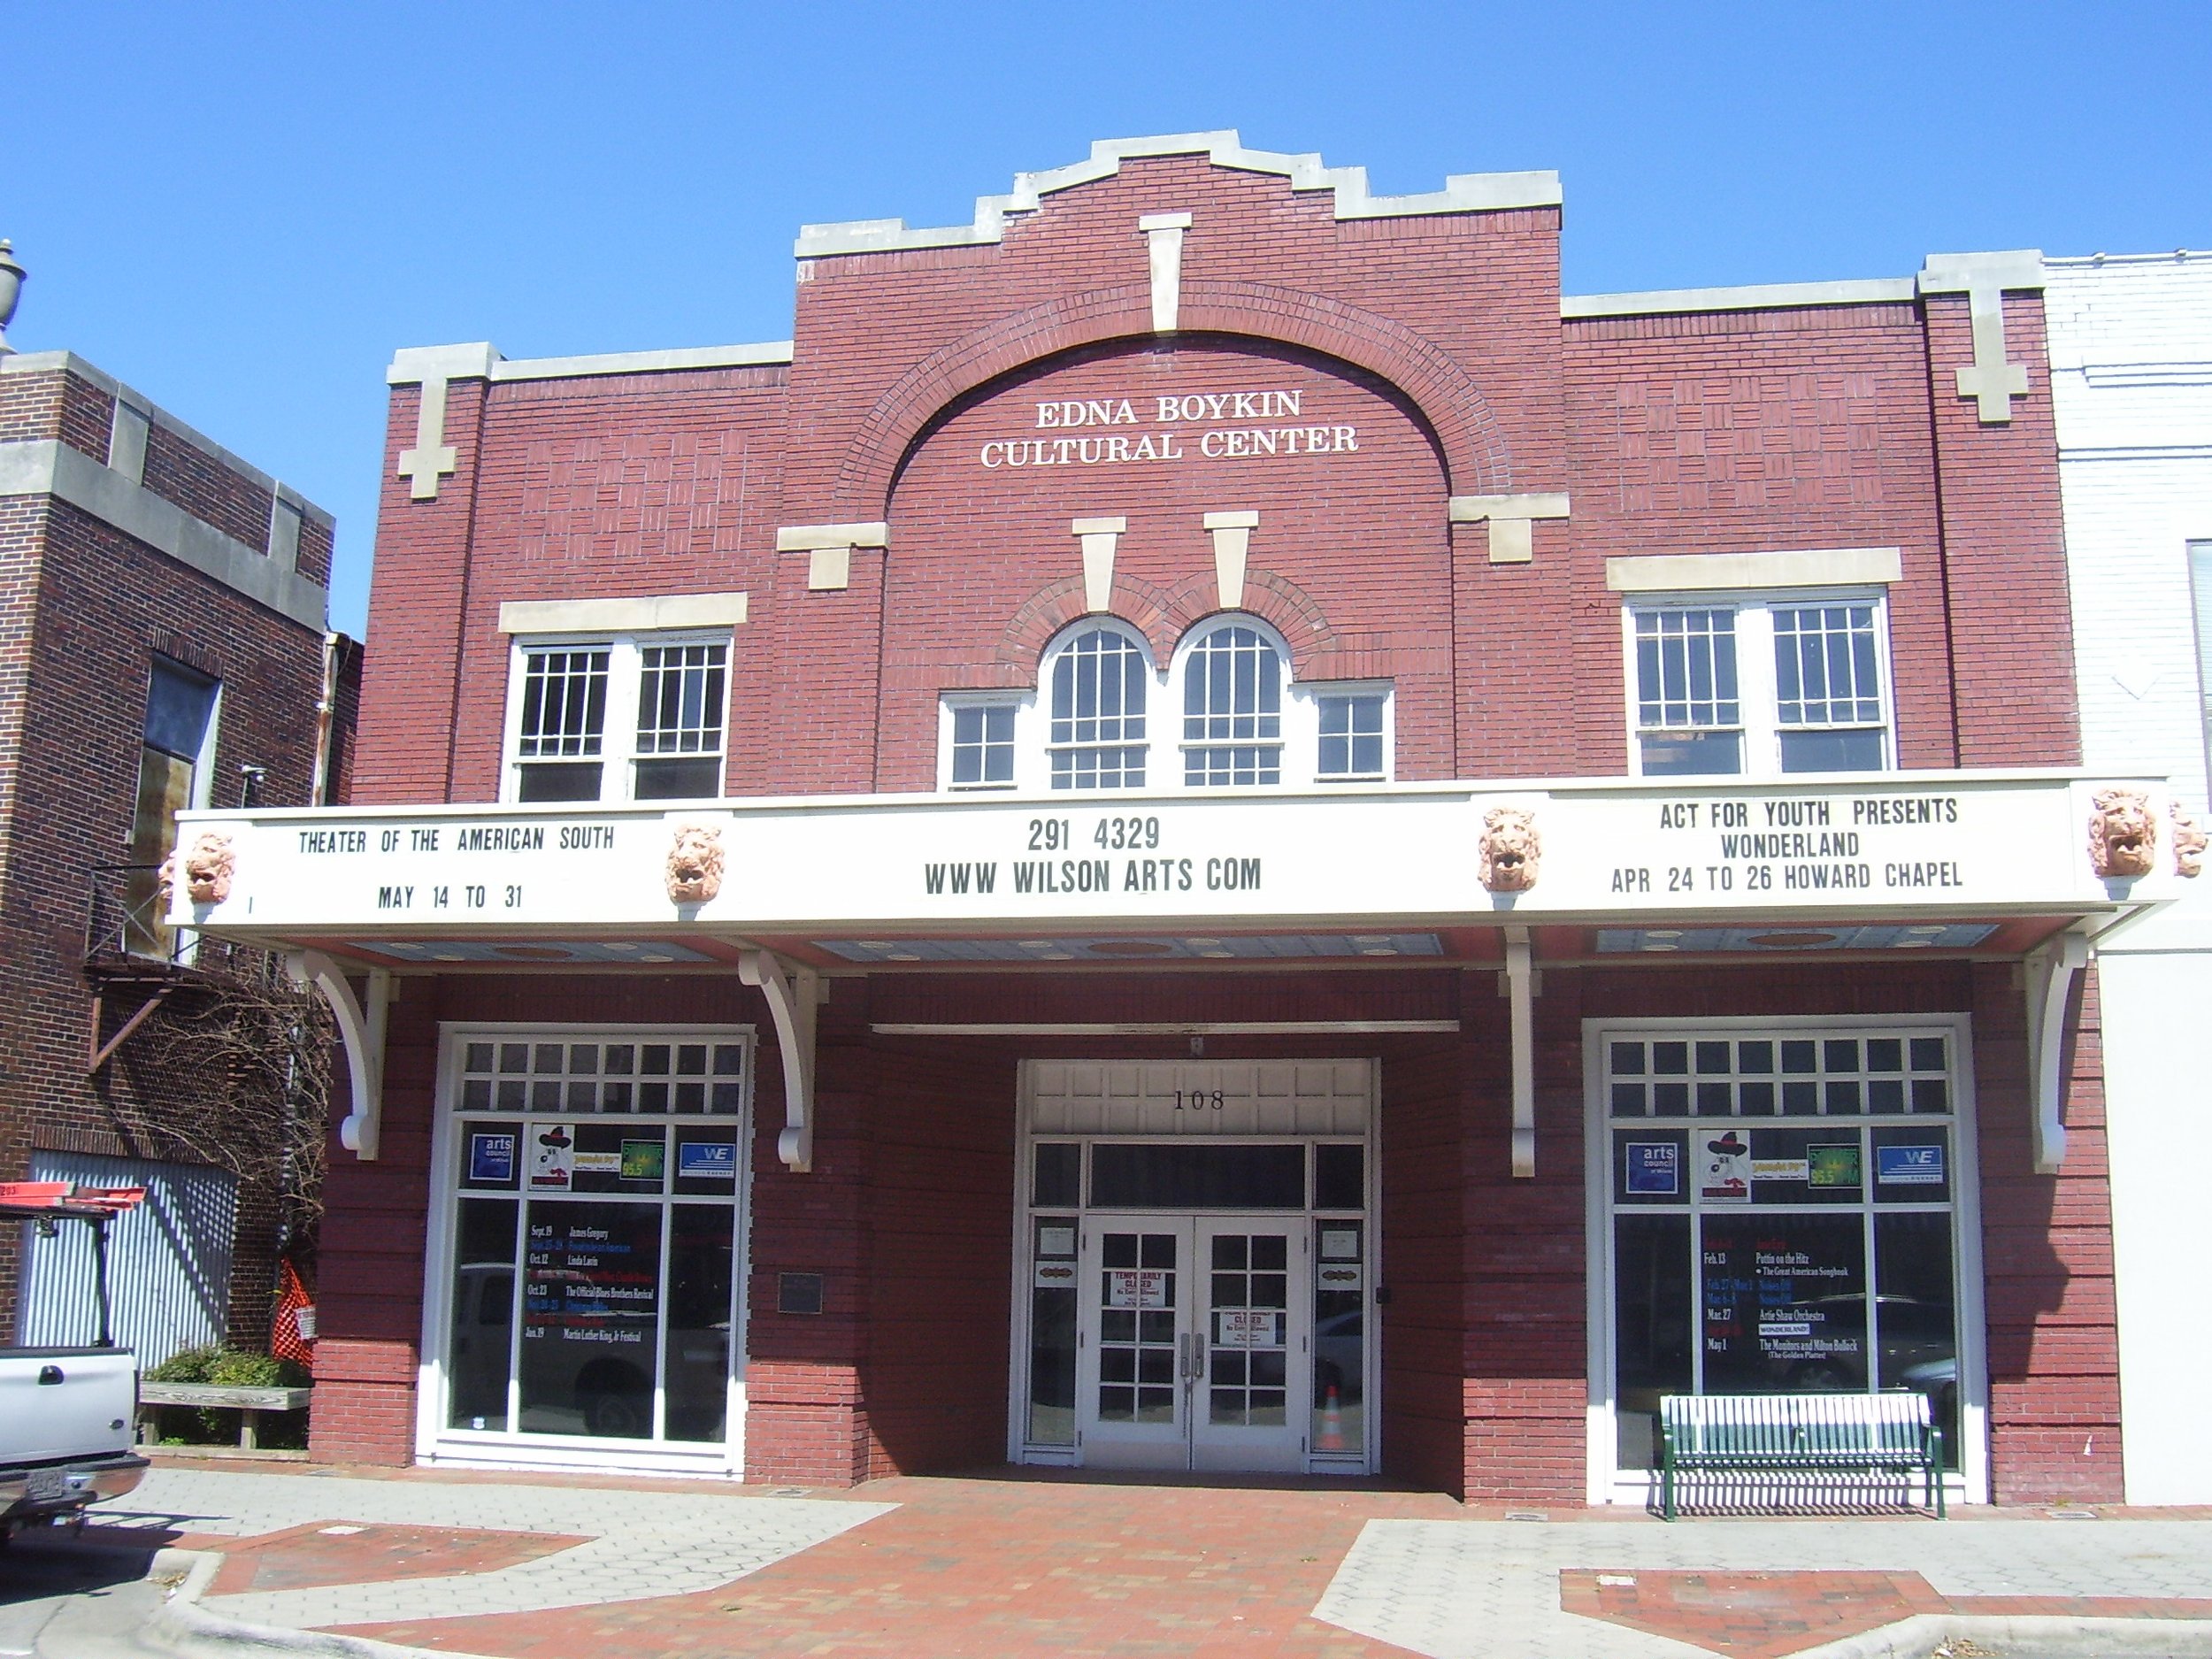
pixel 1781 1210
pixel 588 1298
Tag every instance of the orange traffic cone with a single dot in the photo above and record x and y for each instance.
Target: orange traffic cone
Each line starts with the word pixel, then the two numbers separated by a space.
pixel 1332 1424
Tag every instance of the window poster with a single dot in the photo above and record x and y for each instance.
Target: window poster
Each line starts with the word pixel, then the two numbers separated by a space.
pixel 1783 1303
pixel 706 1160
pixel 1725 1169
pixel 1136 1287
pixel 1654 1168
pixel 552 1157
pixel 591 1295
pixel 492 1157
pixel 1908 1165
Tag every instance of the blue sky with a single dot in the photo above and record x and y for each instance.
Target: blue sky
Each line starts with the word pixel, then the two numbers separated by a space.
pixel 243 209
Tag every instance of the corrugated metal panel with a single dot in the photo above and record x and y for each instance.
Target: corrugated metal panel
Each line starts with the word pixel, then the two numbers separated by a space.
pixel 168 1260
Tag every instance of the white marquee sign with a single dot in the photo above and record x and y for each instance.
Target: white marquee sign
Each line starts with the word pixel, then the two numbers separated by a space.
pixel 1435 855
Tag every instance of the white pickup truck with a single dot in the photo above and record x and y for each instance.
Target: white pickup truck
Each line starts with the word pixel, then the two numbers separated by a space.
pixel 66 1413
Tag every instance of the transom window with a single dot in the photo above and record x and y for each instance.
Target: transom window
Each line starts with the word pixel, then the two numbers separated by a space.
pixel 1232 710
pixel 636 718
pixel 1756 687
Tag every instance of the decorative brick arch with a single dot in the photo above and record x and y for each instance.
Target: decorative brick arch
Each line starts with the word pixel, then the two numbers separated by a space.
pixel 1477 460
pixel 1165 615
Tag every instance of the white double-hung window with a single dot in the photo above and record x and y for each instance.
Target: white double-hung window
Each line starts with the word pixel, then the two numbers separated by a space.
pixel 1758 687
pixel 629 716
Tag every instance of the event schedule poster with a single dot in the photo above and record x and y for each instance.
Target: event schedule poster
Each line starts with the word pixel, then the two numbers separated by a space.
pixel 1783 1303
pixel 591 1293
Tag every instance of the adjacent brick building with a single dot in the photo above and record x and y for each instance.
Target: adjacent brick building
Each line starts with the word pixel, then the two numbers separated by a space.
pixel 1207 828
pixel 163 644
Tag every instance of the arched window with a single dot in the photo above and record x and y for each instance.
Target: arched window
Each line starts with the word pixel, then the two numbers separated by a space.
pixel 1098 689
pixel 1232 710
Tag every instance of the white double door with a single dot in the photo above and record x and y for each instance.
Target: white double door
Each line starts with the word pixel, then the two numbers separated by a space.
pixel 1195 1343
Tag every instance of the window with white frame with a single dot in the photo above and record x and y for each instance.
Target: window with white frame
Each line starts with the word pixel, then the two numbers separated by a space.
pixel 590 1248
pixel 1233 709
pixel 1758 687
pixel 1245 723
pixel 628 717
pixel 1353 734
pixel 1099 683
pixel 1786 1210
pixel 979 740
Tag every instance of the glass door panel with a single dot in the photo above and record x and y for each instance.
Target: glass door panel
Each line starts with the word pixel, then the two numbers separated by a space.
pixel 1253 1346
pixel 1133 1361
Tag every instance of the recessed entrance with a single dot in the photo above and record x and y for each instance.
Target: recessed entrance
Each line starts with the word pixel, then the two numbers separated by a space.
pixel 1195 1274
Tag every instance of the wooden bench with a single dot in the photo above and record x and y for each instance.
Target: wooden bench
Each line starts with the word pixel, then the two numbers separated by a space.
pixel 249 1403
pixel 1869 1433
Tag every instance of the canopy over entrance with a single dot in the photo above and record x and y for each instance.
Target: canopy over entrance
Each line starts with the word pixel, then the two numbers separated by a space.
pixel 788 892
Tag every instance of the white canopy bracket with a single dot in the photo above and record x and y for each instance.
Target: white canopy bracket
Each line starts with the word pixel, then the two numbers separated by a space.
pixel 792 994
pixel 1521 987
pixel 2050 984
pixel 361 1029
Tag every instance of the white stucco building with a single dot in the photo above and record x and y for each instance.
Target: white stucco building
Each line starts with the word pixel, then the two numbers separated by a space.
pixel 2130 347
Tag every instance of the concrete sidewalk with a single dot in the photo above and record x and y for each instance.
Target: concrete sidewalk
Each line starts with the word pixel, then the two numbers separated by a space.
pixel 543 1567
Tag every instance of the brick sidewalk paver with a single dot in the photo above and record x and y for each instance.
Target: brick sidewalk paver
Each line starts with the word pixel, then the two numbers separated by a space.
pixel 1014 1568
pixel 1099 1568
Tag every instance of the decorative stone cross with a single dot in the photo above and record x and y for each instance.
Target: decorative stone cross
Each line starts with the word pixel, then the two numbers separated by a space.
pixel 433 368
pixel 1984 278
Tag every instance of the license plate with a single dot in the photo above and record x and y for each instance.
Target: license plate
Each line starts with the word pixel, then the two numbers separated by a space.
pixel 49 1483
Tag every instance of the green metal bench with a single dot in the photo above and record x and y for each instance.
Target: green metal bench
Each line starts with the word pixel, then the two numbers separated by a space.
pixel 1872 1434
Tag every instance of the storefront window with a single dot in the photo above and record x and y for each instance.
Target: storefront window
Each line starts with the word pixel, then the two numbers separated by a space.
pixel 596 1233
pixel 1752 1256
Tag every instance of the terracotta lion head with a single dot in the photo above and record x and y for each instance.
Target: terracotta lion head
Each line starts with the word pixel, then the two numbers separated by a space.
pixel 1510 850
pixel 2123 833
pixel 208 864
pixel 2189 840
pixel 695 864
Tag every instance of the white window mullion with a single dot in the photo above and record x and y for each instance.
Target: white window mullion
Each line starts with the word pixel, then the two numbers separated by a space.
pixel 622 705
pixel 1755 685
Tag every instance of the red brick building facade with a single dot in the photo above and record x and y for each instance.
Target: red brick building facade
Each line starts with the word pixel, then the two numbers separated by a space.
pixel 162 644
pixel 1392 712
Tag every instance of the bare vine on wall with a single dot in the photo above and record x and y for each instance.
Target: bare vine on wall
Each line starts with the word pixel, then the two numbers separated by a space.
pixel 256 1050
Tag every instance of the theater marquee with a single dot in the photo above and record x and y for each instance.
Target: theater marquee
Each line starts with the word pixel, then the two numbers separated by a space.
pixel 1940 842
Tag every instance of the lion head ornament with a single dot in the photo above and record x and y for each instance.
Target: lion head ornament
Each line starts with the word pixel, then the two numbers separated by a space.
pixel 695 864
pixel 205 868
pixel 2123 833
pixel 2189 840
pixel 1510 848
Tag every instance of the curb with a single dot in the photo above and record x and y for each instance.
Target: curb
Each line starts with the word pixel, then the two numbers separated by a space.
pixel 184 1628
pixel 1924 1635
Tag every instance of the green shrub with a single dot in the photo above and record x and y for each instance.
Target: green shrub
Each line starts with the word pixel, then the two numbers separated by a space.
pixel 191 1365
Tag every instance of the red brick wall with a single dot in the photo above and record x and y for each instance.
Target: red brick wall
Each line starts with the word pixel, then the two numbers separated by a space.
pixel 1748 432
pixel 183 473
pixel 56 404
pixel 2005 549
pixel 2046 1244
pixel 984 567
